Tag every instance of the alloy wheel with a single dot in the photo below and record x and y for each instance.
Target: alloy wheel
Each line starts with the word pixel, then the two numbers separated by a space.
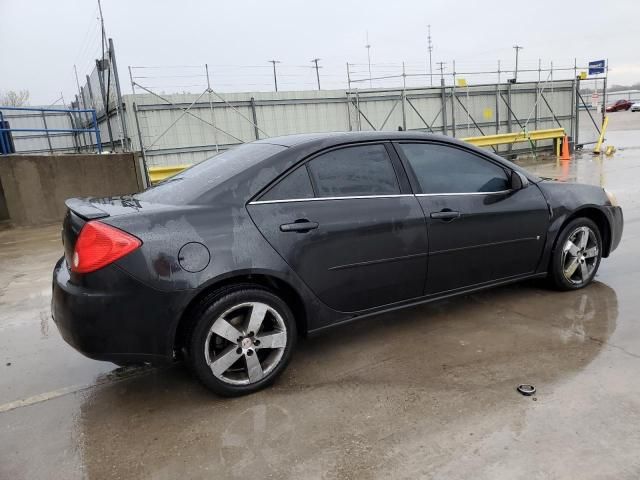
pixel 245 343
pixel 580 255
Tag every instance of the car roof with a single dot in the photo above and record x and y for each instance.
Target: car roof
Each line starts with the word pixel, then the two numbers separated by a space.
pixel 312 142
pixel 349 137
pixel 309 143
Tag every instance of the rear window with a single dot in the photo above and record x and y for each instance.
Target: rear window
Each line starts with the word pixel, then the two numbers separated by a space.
pixel 191 183
pixel 296 185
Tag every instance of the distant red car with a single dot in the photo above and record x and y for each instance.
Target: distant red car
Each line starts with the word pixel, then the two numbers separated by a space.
pixel 620 105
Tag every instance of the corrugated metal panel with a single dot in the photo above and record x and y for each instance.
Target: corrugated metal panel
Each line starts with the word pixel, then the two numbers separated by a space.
pixel 174 137
pixel 171 136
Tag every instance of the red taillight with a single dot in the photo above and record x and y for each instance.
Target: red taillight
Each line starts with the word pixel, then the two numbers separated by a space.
pixel 99 245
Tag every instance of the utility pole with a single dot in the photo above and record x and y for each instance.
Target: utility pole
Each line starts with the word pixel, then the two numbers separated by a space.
pixel 106 83
pixel 81 98
pixel 125 141
pixel 368 47
pixel 443 97
pixel 104 35
pixel 275 78
pixel 441 66
pixel 515 73
pixel 430 48
pixel 316 60
pixel 104 44
pixel 404 77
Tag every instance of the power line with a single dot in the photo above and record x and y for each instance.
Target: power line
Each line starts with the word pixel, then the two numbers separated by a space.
pixel 83 44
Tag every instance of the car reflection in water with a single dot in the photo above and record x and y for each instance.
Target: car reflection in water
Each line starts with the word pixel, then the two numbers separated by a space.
pixel 326 414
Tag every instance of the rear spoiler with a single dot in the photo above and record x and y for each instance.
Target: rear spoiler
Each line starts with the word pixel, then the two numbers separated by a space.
pixel 85 209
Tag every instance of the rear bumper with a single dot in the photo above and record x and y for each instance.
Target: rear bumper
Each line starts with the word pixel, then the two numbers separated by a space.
pixel 616 220
pixel 124 322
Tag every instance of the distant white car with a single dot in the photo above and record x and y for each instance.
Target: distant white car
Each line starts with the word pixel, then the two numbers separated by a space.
pixel 635 107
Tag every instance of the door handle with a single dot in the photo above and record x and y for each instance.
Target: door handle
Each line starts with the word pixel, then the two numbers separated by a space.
pixel 446 215
pixel 301 226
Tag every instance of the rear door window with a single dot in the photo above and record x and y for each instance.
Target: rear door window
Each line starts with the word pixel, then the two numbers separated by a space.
pixel 361 170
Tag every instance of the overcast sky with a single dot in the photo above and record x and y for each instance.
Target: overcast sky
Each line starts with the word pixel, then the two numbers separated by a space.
pixel 42 40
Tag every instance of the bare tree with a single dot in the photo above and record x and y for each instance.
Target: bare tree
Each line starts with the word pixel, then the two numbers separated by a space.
pixel 11 98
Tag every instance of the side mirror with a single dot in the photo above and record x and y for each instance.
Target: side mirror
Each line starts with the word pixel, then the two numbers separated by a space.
pixel 518 181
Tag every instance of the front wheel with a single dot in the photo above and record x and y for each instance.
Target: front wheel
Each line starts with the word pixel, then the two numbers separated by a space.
pixel 577 255
pixel 242 341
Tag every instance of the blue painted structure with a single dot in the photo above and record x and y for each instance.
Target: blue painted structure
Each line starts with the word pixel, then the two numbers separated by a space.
pixel 5 141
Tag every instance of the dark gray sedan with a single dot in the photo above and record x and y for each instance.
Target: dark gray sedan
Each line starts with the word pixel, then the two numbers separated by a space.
pixel 226 263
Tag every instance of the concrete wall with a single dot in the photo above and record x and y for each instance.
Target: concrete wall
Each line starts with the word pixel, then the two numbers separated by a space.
pixel 36 186
pixel 4 213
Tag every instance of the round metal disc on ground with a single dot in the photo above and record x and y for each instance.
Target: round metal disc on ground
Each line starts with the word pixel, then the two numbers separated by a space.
pixel 525 389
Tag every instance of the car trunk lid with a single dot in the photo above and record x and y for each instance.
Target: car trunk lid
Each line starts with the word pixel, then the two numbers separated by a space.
pixel 85 209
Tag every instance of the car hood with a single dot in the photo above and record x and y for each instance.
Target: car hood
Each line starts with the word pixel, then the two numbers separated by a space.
pixel 573 195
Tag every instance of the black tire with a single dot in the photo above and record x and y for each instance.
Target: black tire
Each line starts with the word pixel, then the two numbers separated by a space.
pixel 562 262
pixel 237 304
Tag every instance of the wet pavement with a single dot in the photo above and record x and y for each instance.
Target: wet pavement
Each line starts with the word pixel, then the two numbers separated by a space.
pixel 429 392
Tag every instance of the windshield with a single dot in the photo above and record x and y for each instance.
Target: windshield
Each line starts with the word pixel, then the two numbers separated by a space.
pixel 189 184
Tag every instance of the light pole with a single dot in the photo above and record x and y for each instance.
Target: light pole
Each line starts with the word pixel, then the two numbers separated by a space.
pixel 315 60
pixel 515 73
pixel 275 78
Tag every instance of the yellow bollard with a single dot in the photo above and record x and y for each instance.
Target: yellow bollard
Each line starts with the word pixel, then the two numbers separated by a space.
pixel 596 150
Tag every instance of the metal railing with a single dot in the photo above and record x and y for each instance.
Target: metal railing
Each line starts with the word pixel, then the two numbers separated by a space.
pixel 6 144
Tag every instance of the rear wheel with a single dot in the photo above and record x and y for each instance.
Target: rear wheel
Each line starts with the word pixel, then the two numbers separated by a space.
pixel 242 341
pixel 577 255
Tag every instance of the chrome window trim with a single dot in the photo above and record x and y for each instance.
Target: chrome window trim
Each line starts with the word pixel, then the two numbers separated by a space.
pixel 315 199
pixel 461 193
pixel 362 197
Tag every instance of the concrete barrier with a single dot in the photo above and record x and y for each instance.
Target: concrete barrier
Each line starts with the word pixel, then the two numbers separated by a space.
pixel 4 213
pixel 34 187
pixel 157 174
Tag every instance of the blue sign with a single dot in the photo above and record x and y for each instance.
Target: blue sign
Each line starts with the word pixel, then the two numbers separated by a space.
pixel 596 67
